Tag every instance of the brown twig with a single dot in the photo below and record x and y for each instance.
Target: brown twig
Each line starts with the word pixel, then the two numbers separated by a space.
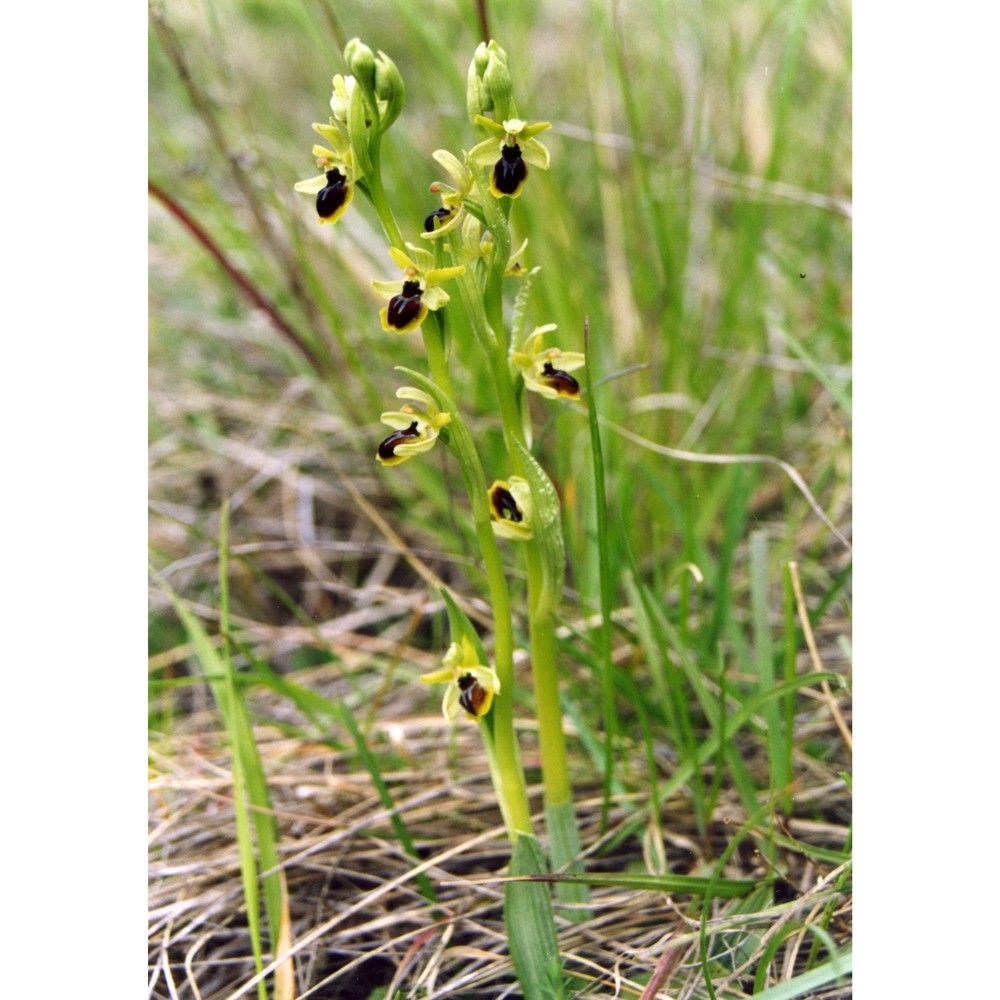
pixel 484 20
pixel 800 601
pixel 667 963
pixel 242 282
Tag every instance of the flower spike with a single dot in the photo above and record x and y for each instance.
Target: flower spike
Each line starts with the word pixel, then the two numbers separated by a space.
pixel 547 371
pixel 414 433
pixel 471 684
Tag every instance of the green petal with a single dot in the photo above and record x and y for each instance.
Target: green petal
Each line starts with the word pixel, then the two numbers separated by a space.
pixel 486 676
pixel 398 420
pixel 312 186
pixel 491 126
pixel 507 529
pixel 387 289
pixel 401 259
pixel 417 446
pixel 449 706
pixel 568 361
pixel 446 674
pixel 334 136
pixel 455 168
pixel 439 274
pixel 419 396
pixel 535 153
pixel 532 130
pixel 423 260
pixel 485 154
pixel 435 298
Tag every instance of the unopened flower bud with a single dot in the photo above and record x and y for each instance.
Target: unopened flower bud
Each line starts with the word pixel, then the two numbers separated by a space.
pixel 361 61
pixel 389 88
pixel 477 98
pixel 497 82
pixel 481 58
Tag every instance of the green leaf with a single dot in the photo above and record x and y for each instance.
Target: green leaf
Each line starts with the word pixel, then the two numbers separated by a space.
pixel 564 847
pixel 691 885
pixel 809 982
pixel 531 927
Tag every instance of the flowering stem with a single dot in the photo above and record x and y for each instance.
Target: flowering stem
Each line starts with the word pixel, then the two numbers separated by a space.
pixel 496 221
pixel 545 675
pixel 376 192
pixel 485 311
pixel 432 331
pixel 511 788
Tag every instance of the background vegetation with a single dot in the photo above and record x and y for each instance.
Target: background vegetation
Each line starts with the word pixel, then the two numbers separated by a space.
pixel 698 211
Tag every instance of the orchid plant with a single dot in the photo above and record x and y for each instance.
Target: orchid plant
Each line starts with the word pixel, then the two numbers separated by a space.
pixel 469 247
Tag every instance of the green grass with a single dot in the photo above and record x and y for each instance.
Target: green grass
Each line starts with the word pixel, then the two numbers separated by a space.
pixel 697 210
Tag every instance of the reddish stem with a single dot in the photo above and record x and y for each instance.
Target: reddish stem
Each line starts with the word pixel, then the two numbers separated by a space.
pixel 242 282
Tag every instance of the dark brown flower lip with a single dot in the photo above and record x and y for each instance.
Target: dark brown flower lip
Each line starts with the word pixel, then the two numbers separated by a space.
pixel 473 696
pixel 333 196
pixel 387 449
pixel 405 307
pixel 561 381
pixel 440 213
pixel 504 505
pixel 510 171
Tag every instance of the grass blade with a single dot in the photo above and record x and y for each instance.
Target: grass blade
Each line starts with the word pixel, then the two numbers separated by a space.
pixel 606 583
pixel 780 758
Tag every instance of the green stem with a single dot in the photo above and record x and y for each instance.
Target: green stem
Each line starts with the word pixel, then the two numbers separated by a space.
pixel 376 192
pixel 511 789
pixel 432 331
pixel 492 345
pixel 495 214
pixel 545 674
pixel 552 742
pixel 564 844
